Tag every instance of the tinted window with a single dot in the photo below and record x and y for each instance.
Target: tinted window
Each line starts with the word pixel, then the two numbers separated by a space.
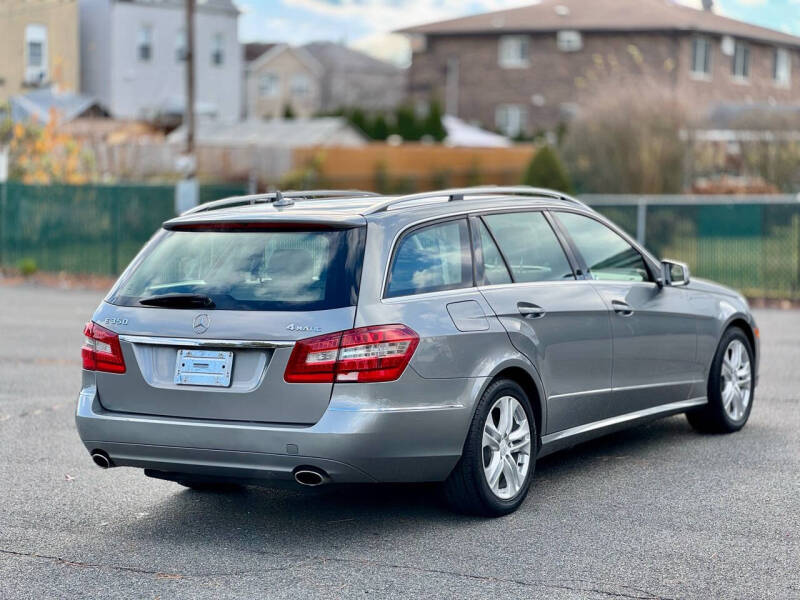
pixel 608 256
pixel 431 259
pixel 494 269
pixel 262 270
pixel 530 247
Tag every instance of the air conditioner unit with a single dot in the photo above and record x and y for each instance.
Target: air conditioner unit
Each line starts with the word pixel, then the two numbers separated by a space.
pixel 728 46
pixel 35 76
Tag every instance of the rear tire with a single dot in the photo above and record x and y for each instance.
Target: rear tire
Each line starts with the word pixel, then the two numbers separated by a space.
pixel 730 387
pixel 501 446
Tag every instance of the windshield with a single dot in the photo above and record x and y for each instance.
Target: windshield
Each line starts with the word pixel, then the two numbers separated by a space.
pixel 258 270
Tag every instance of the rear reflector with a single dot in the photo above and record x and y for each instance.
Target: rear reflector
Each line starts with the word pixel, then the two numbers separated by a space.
pixel 368 354
pixel 101 350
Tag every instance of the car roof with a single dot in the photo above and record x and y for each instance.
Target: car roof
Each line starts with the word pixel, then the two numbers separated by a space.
pixel 352 209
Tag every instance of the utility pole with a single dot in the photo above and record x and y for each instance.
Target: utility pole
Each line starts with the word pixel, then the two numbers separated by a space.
pixel 189 110
pixel 187 192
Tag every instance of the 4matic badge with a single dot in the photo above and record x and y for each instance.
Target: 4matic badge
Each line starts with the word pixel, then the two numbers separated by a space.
pixel 295 327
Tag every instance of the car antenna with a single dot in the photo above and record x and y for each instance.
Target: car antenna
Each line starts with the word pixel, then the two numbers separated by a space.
pixel 280 200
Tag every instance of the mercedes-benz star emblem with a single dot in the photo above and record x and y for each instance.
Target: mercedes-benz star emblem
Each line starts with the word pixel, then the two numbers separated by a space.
pixel 200 323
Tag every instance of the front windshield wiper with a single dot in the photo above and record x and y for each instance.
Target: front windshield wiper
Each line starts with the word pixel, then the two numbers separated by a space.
pixel 179 301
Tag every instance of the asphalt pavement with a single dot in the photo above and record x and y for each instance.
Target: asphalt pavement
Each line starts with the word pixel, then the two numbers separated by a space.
pixel 658 511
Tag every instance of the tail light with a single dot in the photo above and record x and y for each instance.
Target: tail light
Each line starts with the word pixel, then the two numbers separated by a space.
pixel 101 350
pixel 368 354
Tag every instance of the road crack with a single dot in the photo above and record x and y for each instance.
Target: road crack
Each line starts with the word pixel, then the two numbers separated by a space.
pixel 136 570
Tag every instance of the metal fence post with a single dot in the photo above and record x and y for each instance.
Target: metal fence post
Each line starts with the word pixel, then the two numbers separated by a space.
pixel 641 221
pixel 114 235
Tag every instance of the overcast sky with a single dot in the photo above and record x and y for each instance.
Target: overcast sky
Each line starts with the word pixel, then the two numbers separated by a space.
pixel 364 23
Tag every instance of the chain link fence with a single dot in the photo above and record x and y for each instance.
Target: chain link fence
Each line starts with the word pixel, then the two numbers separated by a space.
pixel 93 229
pixel 750 243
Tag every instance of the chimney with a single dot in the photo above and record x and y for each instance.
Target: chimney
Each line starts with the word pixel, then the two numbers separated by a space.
pixel 708 5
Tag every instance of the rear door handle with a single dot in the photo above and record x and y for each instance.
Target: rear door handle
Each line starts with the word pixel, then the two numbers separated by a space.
pixel 622 308
pixel 530 311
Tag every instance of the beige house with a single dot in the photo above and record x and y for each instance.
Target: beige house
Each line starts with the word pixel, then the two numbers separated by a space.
pixel 279 77
pixel 39 46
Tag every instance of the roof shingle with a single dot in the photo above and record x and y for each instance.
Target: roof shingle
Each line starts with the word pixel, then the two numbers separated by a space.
pixel 604 15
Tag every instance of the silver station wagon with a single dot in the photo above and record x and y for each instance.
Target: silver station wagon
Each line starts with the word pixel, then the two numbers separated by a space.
pixel 453 336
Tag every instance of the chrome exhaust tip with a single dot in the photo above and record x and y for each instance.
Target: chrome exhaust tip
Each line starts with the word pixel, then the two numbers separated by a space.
pixel 310 476
pixel 101 459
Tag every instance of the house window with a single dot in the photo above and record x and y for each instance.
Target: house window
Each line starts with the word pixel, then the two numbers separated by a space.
pixel 269 85
pixel 513 51
pixel 218 50
pixel 35 54
pixel 741 61
pixel 145 43
pixel 301 85
pixel 782 67
pixel 701 56
pixel 180 45
pixel 511 119
pixel 569 41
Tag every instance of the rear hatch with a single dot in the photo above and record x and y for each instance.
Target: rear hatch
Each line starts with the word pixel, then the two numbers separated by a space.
pixel 208 314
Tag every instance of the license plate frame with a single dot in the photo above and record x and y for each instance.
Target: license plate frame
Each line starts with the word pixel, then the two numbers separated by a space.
pixel 207 368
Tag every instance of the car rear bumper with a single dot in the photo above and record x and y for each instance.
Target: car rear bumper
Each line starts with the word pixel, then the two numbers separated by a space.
pixel 362 437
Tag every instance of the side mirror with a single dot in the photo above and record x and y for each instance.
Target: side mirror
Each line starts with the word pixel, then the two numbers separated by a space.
pixel 675 273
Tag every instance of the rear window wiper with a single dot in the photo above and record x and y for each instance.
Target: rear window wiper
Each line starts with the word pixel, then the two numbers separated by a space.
pixel 179 301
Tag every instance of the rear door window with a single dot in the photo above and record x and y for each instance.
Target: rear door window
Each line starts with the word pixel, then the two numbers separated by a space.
pixel 251 270
pixel 431 259
pixel 530 247
pixel 608 256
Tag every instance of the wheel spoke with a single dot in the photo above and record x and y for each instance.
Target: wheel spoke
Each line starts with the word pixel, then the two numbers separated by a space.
pixel 506 416
pixel 511 471
pixel 727 396
pixel 494 470
pixel 491 438
pixel 522 445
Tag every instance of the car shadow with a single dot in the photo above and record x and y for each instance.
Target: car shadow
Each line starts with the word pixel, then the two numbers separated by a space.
pixel 338 516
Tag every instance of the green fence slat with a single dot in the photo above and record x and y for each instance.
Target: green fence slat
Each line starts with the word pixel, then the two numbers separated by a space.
pixel 93 229
pixel 99 228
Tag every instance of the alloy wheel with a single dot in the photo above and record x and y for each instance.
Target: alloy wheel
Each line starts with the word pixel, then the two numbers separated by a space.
pixel 736 383
pixel 506 447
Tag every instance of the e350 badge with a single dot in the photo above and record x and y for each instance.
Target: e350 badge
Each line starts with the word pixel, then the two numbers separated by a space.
pixel 115 321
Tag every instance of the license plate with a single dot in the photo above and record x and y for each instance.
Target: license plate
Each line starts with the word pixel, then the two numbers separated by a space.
pixel 204 367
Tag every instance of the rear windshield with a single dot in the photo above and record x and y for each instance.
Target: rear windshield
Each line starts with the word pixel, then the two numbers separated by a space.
pixel 251 270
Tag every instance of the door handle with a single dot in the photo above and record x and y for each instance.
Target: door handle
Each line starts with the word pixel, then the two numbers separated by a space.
pixel 622 308
pixel 530 311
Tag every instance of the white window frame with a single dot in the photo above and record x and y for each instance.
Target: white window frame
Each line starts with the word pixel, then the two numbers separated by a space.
pixel 144 38
pixel 701 59
pixel 513 51
pixel 782 67
pixel 740 62
pixel 300 86
pixel 269 85
pixel 218 50
pixel 36 34
pixel 569 40
pixel 511 119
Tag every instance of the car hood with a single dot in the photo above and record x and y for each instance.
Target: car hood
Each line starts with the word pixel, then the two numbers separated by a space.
pixel 704 285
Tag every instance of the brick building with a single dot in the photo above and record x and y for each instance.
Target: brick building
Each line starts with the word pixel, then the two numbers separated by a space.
pixel 531 68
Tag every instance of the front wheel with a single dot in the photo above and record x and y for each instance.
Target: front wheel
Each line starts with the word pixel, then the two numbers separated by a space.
pixel 494 473
pixel 730 387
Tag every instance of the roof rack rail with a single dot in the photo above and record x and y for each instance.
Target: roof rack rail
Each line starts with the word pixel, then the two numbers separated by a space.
pixel 456 194
pixel 272 197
